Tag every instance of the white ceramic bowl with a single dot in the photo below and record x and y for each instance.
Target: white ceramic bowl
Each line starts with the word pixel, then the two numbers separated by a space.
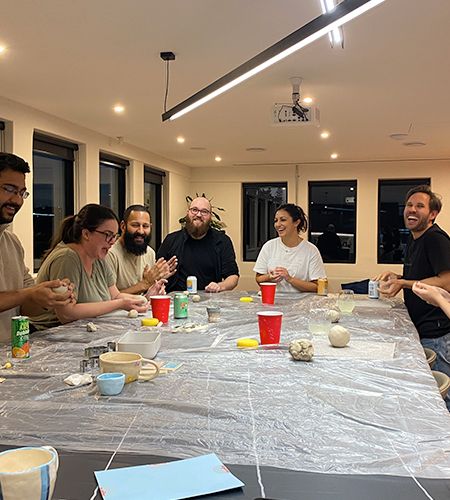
pixel 147 344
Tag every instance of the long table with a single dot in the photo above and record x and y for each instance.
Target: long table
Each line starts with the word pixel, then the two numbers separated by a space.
pixel 379 421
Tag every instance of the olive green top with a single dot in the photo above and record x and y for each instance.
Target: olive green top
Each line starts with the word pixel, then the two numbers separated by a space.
pixel 63 262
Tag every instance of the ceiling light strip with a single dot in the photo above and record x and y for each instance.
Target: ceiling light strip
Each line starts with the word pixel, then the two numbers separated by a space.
pixel 315 29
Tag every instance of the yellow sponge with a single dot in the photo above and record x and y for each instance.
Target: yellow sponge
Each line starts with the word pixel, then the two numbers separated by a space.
pixel 246 299
pixel 246 342
pixel 149 321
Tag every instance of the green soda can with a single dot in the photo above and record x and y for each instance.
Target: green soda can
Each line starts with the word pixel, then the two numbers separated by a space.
pixel 180 306
pixel 20 337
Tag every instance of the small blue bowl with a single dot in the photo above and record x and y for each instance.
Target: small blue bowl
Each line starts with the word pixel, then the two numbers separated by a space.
pixel 110 384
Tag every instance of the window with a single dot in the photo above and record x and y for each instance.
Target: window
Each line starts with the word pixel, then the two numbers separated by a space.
pixel 260 202
pixel 332 219
pixel 112 182
pixel 392 234
pixel 53 181
pixel 153 181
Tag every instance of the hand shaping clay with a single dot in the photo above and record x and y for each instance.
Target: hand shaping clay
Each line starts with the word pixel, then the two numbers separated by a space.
pixel 338 336
pixel 301 350
pixel 132 313
pixel 333 315
pixel 196 298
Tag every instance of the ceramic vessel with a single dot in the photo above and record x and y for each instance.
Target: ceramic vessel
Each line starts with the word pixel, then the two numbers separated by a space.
pixel 28 473
pixel 128 363
pixel 110 384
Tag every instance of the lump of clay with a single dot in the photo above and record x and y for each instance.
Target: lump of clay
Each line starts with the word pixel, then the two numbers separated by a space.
pixel 333 315
pixel 143 299
pixel 196 298
pixel 301 350
pixel 132 313
pixel 91 327
pixel 338 336
pixel 60 289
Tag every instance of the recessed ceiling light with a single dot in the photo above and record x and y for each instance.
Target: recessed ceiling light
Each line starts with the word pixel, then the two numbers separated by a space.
pixel 180 139
pixel 325 134
pixel 333 156
pixel 2 49
pixel 308 100
pixel 218 158
pixel 255 150
pixel 118 108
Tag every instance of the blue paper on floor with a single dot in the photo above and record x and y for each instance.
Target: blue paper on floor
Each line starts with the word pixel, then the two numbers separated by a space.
pixel 167 481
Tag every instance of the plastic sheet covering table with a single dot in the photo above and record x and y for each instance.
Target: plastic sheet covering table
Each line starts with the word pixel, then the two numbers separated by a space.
pixel 251 407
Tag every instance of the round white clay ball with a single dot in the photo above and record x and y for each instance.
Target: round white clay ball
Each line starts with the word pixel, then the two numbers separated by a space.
pixel 60 289
pixel 132 313
pixel 333 315
pixel 196 298
pixel 143 299
pixel 338 336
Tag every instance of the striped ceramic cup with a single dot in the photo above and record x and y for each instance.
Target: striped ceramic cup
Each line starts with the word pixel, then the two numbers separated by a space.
pixel 28 473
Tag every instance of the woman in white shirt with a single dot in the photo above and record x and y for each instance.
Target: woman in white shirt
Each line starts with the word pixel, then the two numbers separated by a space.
pixel 290 260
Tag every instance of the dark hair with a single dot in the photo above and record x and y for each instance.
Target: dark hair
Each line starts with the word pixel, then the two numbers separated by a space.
pixel 13 162
pixel 296 213
pixel 90 217
pixel 435 199
pixel 135 208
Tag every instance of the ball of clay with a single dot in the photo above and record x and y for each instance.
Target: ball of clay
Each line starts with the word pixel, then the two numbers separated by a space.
pixel 143 299
pixel 301 350
pixel 91 327
pixel 333 315
pixel 196 298
pixel 132 313
pixel 60 289
pixel 338 336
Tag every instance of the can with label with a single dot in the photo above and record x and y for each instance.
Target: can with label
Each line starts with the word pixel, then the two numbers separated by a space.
pixel 20 337
pixel 373 289
pixel 180 306
pixel 191 284
pixel 322 286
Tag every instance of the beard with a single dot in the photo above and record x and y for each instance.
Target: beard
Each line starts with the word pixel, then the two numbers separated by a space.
pixel 129 241
pixel 196 231
pixel 6 218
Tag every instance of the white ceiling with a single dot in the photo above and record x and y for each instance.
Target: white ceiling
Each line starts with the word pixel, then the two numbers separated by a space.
pixel 76 58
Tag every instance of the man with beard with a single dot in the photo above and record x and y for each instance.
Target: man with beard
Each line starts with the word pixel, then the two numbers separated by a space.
pixel 18 293
pixel 202 251
pixel 428 260
pixel 131 258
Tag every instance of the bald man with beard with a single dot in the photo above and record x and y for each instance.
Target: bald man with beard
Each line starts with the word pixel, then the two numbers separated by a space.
pixel 201 251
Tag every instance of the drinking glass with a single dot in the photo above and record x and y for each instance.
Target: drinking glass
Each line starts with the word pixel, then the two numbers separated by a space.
pixel 346 301
pixel 318 322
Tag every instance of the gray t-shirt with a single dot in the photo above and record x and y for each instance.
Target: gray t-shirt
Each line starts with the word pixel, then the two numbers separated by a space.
pixel 63 262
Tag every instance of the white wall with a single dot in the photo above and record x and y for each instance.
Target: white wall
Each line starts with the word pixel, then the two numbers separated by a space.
pixel 26 120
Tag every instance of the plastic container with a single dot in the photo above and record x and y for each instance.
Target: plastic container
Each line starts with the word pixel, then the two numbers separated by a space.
pixel 147 344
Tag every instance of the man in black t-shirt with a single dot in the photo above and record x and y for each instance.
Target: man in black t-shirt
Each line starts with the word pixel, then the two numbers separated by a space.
pixel 201 251
pixel 428 260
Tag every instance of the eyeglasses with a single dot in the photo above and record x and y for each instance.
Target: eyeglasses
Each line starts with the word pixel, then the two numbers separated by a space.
pixel 10 189
pixel 195 211
pixel 109 237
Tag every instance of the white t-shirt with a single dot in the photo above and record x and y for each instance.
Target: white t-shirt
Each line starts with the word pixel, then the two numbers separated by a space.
pixel 302 261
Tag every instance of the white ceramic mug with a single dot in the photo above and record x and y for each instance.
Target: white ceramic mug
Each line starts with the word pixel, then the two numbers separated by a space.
pixel 28 473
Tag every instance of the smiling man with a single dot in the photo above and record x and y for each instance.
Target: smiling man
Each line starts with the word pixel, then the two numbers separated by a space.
pixel 428 260
pixel 131 258
pixel 202 251
pixel 18 293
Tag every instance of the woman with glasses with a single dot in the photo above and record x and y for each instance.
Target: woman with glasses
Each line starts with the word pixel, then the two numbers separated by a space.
pixel 290 261
pixel 78 253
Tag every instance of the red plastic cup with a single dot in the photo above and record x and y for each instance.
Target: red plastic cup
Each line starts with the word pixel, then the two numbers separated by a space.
pixel 270 326
pixel 268 292
pixel 160 307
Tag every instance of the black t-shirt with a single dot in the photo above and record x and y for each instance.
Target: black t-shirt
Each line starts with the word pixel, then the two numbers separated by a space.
pixel 198 260
pixel 427 256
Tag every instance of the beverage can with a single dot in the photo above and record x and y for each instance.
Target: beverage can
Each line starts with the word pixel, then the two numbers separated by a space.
pixel 322 286
pixel 373 289
pixel 180 306
pixel 191 284
pixel 20 337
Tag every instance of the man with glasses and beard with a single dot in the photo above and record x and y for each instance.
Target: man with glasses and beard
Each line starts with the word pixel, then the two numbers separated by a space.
pixel 18 293
pixel 201 251
pixel 131 258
